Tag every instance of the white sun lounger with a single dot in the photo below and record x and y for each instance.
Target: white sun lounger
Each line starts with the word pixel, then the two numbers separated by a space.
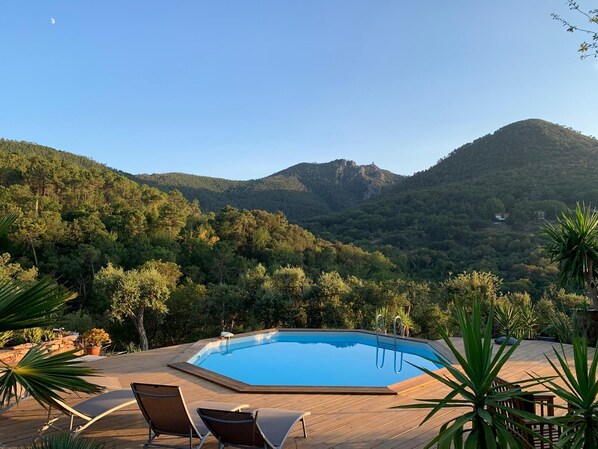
pixel 166 413
pixel 262 428
pixel 90 410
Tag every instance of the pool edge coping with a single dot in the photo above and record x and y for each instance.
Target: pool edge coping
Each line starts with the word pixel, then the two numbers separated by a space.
pixel 180 363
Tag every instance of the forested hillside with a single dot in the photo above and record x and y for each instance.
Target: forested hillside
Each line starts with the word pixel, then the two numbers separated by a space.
pixel 87 225
pixel 113 239
pixel 443 219
pixel 300 192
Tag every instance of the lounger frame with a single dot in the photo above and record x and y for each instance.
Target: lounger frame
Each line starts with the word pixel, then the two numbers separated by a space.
pixel 73 413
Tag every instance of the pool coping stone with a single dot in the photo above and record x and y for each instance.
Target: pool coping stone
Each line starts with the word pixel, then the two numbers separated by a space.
pixel 180 362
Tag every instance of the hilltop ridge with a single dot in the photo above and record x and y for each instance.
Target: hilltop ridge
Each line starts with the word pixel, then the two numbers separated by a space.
pixel 301 191
pixel 443 219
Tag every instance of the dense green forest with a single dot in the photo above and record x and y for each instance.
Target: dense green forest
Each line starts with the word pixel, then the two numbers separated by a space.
pixel 300 192
pixel 79 220
pixel 443 220
pixel 154 268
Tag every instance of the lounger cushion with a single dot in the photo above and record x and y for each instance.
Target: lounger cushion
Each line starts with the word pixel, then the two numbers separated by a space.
pixel 101 403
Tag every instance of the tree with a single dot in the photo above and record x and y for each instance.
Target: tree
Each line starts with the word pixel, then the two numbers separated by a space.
pixel 133 292
pixel 282 304
pixel 573 245
pixel 326 307
pixel 185 321
pixel 466 289
pixel 43 375
pixel 586 49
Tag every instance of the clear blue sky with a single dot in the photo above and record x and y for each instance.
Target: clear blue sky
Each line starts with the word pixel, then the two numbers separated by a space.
pixel 243 88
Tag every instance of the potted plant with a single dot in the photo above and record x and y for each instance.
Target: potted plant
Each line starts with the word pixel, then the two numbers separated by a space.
pixel 94 339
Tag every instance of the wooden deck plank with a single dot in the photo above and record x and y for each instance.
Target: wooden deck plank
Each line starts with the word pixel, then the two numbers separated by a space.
pixel 340 421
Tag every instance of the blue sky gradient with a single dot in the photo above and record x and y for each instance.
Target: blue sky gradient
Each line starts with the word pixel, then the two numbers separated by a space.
pixel 243 88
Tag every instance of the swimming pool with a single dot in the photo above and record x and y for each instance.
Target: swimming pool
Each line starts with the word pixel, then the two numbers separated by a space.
pixel 290 360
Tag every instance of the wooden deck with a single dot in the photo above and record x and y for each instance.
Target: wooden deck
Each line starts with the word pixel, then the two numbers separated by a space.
pixel 336 421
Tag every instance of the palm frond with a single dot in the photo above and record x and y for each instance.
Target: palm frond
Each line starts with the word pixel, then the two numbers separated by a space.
pixel 6 221
pixel 24 306
pixel 44 376
pixel 573 244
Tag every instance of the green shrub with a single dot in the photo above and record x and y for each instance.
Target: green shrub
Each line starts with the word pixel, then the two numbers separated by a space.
pixel 78 321
pixel 48 335
pixel 528 322
pixel 506 317
pixel 5 337
pixel 545 309
pixel 562 326
pixel 33 335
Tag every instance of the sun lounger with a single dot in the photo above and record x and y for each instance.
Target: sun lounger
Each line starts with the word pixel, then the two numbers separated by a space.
pixel 90 410
pixel 262 428
pixel 166 413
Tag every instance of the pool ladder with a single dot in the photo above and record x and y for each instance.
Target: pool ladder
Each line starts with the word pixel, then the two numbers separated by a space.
pixel 381 325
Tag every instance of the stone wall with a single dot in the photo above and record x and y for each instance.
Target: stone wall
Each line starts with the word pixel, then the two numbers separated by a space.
pixel 62 344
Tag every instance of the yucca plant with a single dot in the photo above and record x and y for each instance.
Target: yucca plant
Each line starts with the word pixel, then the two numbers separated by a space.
pixel 407 321
pixel 485 422
pixel 65 441
pixel 573 245
pixel 529 321
pixel 562 326
pixel 580 392
pixel 506 317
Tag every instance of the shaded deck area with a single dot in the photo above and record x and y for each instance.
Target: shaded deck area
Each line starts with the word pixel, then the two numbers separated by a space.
pixel 336 421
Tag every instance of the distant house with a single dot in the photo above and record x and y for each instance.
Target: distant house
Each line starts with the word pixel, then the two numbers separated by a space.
pixel 540 215
pixel 501 216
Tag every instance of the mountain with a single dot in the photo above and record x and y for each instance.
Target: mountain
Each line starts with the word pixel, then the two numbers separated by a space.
pixel 436 222
pixel 75 216
pixel 301 191
pixel 444 220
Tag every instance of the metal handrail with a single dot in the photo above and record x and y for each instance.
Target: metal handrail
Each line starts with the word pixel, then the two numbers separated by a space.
pixel 401 328
pixel 380 323
pixel 397 371
pixel 380 365
pixel 402 334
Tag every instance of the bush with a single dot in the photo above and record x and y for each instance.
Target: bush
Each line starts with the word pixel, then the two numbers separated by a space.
pixel 5 337
pixel 32 335
pixel 78 321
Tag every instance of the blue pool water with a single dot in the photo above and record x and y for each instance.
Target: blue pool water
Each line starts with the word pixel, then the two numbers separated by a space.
pixel 316 359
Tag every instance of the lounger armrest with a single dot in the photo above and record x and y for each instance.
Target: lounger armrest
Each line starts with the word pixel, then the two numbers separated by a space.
pixel 276 424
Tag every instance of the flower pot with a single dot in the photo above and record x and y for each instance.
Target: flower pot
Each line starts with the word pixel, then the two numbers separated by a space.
pixel 93 350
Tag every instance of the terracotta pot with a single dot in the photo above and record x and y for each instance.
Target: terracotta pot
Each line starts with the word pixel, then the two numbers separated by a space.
pixel 93 350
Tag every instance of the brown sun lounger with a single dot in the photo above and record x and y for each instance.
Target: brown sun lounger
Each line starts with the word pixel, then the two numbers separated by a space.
pixel 166 413
pixel 262 428
pixel 90 410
